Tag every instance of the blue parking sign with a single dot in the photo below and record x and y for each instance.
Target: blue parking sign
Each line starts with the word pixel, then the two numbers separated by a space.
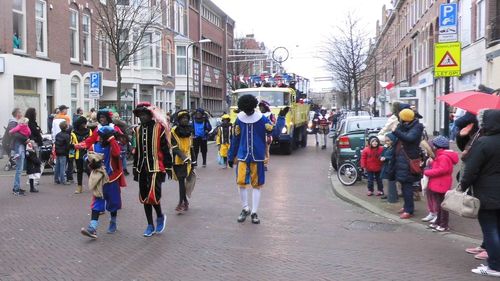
pixel 448 15
pixel 95 85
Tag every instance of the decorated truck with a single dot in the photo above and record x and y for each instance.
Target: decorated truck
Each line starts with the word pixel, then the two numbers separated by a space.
pixel 294 134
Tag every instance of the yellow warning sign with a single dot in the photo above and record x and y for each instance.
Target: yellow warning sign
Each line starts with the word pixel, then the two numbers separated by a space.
pixel 447 59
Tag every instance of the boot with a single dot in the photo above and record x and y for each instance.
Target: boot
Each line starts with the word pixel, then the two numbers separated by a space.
pixel 79 189
pixel 33 189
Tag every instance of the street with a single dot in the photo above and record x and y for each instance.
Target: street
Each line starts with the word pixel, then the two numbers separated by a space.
pixel 306 233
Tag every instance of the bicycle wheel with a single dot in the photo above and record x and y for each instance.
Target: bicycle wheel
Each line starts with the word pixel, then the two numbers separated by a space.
pixel 347 174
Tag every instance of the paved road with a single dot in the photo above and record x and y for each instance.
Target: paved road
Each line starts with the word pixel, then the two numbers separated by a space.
pixel 306 234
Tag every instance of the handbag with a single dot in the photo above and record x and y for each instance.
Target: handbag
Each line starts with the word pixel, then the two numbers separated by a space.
pixel 415 164
pixel 460 203
pixel 190 183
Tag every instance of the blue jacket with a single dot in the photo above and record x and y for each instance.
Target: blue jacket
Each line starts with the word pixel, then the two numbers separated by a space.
pixel 410 136
pixel 249 139
pixel 388 168
pixel 201 129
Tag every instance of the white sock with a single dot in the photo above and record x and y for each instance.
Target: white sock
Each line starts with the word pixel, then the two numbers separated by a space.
pixel 255 200
pixel 244 197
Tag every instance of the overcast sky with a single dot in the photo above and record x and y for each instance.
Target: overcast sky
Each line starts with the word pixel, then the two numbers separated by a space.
pixel 300 26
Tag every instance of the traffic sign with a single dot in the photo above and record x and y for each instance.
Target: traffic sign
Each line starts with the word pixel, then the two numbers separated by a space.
pixel 95 91
pixel 448 23
pixel 447 59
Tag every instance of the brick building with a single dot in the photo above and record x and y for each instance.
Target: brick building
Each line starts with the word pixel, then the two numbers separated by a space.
pixel 47 50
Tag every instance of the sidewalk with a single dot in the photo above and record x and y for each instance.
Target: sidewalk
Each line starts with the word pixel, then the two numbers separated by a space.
pixel 356 194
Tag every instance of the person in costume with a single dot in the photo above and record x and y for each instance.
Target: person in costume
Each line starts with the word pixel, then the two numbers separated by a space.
pixel 110 200
pixel 248 150
pixel 152 163
pixel 223 139
pixel 79 134
pixel 105 118
pixel 201 129
pixel 182 151
pixel 265 109
pixel 323 125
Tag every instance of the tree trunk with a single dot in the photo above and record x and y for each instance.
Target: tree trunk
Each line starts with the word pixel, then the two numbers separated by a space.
pixel 119 90
pixel 356 99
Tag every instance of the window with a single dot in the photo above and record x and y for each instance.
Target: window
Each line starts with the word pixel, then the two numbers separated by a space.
pixel 73 43
pixel 179 17
pixel 168 58
pixel 87 42
pixel 465 21
pixel 160 99
pixel 157 50
pixel 75 84
pixel 103 51
pixel 124 46
pixel 481 19
pixel 181 60
pixel 147 51
pixel 168 14
pixel 19 25
pixel 211 16
pixel 86 93
pixel 41 27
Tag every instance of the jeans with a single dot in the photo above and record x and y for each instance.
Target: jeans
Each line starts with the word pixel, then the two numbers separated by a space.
pixel 375 176
pixel 409 205
pixel 490 225
pixel 392 192
pixel 124 161
pixel 60 170
pixel 20 149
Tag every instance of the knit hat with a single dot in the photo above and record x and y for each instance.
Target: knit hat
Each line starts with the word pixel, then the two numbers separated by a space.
pixel 441 142
pixel 370 139
pixel 392 137
pixel 407 115
pixel 105 130
pixel 105 112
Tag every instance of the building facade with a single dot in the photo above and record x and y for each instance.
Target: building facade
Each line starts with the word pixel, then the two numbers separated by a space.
pixel 48 49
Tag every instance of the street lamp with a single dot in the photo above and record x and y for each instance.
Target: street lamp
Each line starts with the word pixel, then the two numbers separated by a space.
pixel 187 69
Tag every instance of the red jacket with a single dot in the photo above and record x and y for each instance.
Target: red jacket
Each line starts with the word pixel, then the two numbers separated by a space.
pixel 440 173
pixel 370 159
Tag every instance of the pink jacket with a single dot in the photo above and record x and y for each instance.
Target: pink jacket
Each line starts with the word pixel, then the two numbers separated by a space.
pixel 23 129
pixel 440 174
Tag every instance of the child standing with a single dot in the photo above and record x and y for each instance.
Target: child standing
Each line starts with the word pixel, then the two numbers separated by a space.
pixel 371 162
pixel 79 134
pixel 111 193
pixel 33 166
pixel 440 179
pixel 62 146
pixel 23 129
pixel 387 169
pixel 223 139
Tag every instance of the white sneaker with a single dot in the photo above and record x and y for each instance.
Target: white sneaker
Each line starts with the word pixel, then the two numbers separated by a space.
pixel 433 221
pixel 486 271
pixel 429 217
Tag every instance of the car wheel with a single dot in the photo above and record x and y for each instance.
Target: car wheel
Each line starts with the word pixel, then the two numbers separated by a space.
pixel 334 161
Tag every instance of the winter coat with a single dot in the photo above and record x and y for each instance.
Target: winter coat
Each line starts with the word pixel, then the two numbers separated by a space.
pixel 388 163
pixel 390 126
pixel 409 135
pixel 201 129
pixel 62 144
pixel 370 159
pixel 33 163
pixel 461 123
pixel 7 139
pixel 440 173
pixel 482 164
pixel 36 134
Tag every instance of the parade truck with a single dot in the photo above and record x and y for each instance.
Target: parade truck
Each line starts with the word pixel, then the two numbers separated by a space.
pixel 294 134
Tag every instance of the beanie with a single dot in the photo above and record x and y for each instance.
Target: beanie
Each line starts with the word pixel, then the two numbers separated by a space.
pixel 407 115
pixel 441 142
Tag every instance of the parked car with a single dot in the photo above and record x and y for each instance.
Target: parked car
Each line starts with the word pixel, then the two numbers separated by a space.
pixel 351 135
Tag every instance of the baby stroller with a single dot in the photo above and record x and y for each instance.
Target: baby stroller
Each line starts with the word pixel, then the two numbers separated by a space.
pixel 46 154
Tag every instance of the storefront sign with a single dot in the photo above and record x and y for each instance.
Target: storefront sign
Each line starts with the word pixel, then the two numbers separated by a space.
pixel 408 93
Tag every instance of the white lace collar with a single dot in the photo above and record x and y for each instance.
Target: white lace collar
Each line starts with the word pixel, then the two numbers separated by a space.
pixel 249 119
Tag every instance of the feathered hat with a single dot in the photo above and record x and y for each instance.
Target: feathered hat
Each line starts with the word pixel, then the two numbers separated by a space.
pixel 157 115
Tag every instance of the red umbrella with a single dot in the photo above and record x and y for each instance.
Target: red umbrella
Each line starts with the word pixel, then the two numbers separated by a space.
pixel 472 101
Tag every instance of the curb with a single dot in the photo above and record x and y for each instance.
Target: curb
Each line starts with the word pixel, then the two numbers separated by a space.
pixel 340 191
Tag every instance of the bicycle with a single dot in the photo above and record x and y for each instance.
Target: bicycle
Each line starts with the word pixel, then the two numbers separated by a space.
pixel 350 171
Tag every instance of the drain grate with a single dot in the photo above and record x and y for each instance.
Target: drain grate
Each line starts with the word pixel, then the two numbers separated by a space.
pixel 372 225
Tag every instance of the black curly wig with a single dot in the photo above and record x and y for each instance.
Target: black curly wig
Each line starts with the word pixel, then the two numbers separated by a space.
pixel 247 104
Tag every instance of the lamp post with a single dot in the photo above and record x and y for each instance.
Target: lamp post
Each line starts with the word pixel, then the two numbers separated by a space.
pixel 187 70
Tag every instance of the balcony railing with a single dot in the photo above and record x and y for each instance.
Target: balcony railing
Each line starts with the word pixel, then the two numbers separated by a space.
pixel 494 37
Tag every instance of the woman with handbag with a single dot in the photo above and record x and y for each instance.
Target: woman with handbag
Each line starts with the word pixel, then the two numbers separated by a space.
pixel 482 172
pixel 407 158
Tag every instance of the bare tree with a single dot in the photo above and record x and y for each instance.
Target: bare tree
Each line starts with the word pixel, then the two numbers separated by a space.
pixel 345 54
pixel 127 27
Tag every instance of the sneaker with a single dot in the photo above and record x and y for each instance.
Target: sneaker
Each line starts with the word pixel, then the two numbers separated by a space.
pixel 384 197
pixel 161 223
pixel 204 165
pixel 255 218
pixel 441 229
pixel 19 193
pixel 150 230
pixel 405 216
pixel 186 206
pixel 475 250
pixel 369 193
pixel 380 193
pixel 486 271
pixel 432 226
pixel 482 256
pixel 434 220
pixel 89 232
pixel 402 210
pixel 112 227
pixel 429 217
pixel 180 208
pixel 243 215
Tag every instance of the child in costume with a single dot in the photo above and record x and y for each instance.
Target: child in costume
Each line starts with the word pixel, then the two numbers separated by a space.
pixel 152 163
pixel 183 151
pixel 111 193
pixel 223 139
pixel 248 149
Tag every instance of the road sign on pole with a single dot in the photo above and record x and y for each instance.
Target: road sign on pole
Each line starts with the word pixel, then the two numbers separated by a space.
pixel 447 59
pixel 448 22
pixel 95 91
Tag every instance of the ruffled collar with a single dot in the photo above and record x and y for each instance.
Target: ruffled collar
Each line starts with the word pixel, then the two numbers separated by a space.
pixel 249 119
